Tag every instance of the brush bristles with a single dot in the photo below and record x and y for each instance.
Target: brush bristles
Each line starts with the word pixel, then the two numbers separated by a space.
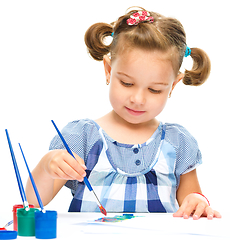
pixel 103 211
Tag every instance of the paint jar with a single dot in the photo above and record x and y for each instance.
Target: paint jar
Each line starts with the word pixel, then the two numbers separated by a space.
pixel 26 222
pixel 15 207
pixel 46 224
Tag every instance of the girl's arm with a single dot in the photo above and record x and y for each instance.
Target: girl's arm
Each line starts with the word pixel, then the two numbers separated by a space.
pixel 190 202
pixel 52 172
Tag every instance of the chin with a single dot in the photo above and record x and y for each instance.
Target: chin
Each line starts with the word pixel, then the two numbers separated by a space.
pixel 137 121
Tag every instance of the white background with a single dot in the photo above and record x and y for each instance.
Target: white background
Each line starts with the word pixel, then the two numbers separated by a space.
pixel 46 73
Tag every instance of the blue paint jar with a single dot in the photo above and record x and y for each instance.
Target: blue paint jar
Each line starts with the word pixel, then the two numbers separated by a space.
pixel 46 224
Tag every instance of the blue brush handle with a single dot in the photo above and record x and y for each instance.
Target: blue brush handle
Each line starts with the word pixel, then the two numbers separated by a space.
pixel 86 181
pixel 19 180
pixel 32 181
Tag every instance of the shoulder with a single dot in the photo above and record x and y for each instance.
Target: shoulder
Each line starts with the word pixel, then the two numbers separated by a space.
pixel 178 134
pixel 75 132
pixel 82 125
pixel 188 155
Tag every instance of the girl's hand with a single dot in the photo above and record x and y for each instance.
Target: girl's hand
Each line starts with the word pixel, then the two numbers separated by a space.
pixel 196 205
pixel 59 164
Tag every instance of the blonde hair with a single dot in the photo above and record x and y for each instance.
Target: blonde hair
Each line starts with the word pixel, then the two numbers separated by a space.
pixel 164 34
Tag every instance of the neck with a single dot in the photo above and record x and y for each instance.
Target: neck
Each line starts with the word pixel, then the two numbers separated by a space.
pixel 132 126
pixel 124 132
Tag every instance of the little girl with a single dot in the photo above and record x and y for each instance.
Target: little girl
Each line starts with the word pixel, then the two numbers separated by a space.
pixel 134 162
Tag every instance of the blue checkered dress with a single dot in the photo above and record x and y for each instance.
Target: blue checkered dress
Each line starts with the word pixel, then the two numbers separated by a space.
pixel 129 178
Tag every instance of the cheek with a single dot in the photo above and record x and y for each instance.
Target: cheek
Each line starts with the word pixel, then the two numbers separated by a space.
pixel 158 104
pixel 115 95
pixel 164 100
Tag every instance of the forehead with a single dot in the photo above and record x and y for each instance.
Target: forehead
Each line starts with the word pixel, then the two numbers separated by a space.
pixel 144 64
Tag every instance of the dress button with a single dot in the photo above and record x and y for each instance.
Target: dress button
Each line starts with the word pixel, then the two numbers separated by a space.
pixel 138 162
pixel 136 150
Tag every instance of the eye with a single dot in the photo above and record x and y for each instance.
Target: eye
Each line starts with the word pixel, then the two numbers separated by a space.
pixel 154 91
pixel 126 84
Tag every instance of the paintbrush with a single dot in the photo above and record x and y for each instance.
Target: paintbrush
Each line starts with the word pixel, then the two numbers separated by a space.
pixel 33 183
pixel 86 181
pixel 19 180
pixel 8 224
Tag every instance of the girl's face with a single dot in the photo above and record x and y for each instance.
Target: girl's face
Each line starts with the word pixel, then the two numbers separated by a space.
pixel 140 84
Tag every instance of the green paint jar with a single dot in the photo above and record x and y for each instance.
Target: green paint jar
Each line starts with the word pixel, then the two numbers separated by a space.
pixel 26 222
pixel 15 220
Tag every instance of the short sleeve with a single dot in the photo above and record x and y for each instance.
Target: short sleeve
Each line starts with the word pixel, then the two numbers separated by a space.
pixel 80 136
pixel 188 155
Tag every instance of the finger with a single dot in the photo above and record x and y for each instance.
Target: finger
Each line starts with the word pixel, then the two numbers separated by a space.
pixel 80 160
pixel 61 175
pixel 200 209
pixel 189 209
pixel 75 165
pixel 73 171
pixel 210 213
pixel 180 211
pixel 66 167
pixel 63 172
pixel 217 214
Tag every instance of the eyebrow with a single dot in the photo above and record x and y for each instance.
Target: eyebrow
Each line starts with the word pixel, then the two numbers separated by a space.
pixel 121 73
pixel 160 83
pixel 156 83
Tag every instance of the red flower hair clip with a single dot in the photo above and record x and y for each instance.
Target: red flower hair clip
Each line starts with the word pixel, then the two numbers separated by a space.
pixel 140 16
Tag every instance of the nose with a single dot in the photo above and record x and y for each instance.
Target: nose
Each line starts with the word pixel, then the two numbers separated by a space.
pixel 138 97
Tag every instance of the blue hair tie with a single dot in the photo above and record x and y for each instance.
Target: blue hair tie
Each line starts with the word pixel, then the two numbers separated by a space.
pixel 187 51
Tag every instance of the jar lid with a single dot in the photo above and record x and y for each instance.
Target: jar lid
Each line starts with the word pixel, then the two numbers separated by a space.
pixel 8 234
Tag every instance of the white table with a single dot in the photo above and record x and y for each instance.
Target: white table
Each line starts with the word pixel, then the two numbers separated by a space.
pixel 82 225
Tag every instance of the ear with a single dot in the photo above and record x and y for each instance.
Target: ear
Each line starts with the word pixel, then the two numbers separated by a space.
pixel 178 79
pixel 107 67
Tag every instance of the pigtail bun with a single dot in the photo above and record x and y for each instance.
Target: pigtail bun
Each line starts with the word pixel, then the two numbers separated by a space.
pixel 94 40
pixel 200 70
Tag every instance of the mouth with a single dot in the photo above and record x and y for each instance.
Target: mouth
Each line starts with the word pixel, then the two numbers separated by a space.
pixel 134 112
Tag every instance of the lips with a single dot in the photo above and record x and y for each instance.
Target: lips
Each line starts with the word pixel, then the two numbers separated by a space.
pixel 134 112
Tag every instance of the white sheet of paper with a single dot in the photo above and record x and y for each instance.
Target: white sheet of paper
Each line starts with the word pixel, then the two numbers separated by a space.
pixel 152 224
